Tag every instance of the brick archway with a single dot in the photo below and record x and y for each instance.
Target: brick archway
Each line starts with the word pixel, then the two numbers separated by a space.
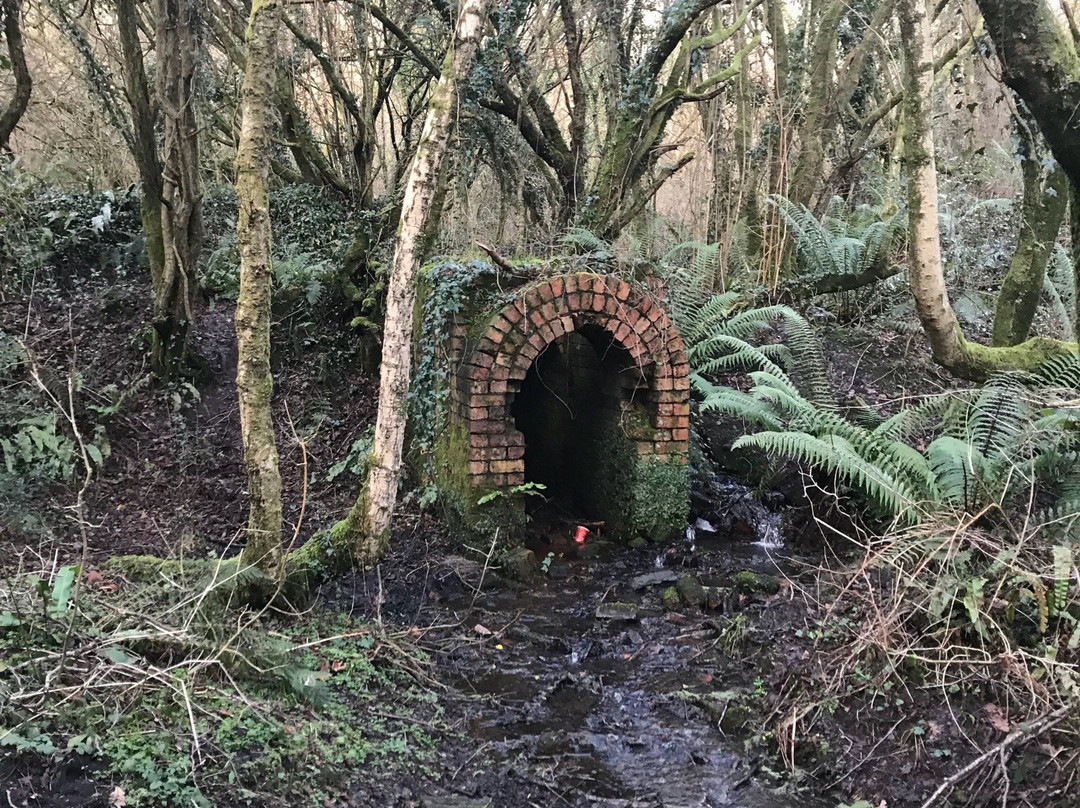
pixel 492 368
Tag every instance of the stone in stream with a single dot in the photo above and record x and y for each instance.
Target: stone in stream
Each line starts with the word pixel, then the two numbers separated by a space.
pixel 671 599
pixel 617 611
pixel 691 591
pixel 657 578
pixel 756 583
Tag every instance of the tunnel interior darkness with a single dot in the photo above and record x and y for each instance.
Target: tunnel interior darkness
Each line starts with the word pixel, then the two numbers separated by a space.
pixel 571 410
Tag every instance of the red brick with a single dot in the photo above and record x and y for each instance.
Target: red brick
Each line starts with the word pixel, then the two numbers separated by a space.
pixel 515 452
pixel 505 466
pixel 665 383
pixel 622 333
pixel 529 352
pixel 598 302
pixel 480 374
pixel 477 440
pixel 668 396
pixel 487 427
pixel 499 385
pixel 499 373
pixel 646 305
pixel 567 324
pixel 482 359
pixel 556 287
pixel 534 298
pixel 681 421
pixel 548 333
pixel 623 290
pixel 514 312
pixel 515 478
pixel 504 359
pixel 682 382
pixel 680 434
pixel 573 301
pixel 503 323
pixel 477 467
pixel 612 306
pixel 571 285
pixel 586 301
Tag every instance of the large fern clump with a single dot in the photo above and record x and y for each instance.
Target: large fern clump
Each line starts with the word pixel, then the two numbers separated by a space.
pixel 845 248
pixel 1014 439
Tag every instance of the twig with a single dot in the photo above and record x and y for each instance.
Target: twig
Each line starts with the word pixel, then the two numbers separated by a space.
pixel 1032 729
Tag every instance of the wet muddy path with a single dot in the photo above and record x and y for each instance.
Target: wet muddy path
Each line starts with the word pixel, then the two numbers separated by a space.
pixel 588 688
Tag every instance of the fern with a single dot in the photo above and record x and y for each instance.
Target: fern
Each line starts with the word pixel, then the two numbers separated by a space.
pixel 838 457
pixel 843 242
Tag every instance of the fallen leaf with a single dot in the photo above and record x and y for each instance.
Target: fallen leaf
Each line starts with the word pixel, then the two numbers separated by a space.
pixel 705 678
pixel 337 665
pixel 483 631
pixel 997 718
pixel 117 798
pixel 93 577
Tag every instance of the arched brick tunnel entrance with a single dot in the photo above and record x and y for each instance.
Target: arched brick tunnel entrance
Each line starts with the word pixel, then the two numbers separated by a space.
pixel 580 382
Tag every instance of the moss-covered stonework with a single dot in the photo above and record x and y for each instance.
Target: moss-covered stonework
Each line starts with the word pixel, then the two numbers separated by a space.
pixel 578 381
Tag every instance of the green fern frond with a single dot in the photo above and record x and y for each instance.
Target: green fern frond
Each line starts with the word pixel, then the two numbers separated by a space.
pixel 837 457
pixel 958 467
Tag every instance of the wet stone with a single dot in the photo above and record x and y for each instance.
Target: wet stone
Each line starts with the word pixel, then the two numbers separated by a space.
pixel 756 583
pixel 617 611
pixel 657 578
pixel 671 599
pixel 691 591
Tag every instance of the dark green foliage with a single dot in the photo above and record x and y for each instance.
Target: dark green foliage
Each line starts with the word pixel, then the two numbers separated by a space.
pixel 844 242
pixel 1000 445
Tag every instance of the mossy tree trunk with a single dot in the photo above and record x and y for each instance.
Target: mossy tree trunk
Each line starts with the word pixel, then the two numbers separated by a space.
pixel 925 271
pixel 181 193
pixel 171 196
pixel 144 139
pixel 1046 196
pixel 815 119
pixel 254 381
pixel 12 114
pixel 1040 63
pixel 367 527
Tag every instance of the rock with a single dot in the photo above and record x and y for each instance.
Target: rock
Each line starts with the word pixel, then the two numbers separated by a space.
pixel 522 564
pixel 617 611
pixel 638 543
pixel 691 591
pixel 444 799
pixel 657 578
pixel 756 583
pixel 558 571
pixel 720 599
pixel 671 599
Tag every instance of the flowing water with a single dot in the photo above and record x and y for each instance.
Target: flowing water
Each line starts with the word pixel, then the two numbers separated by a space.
pixel 584 679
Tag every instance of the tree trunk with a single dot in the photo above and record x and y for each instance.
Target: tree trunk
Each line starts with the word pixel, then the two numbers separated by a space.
pixel 17 106
pixel 1046 195
pixel 181 195
pixel 367 527
pixel 925 272
pixel 254 382
pixel 1040 63
pixel 144 140
pixel 813 128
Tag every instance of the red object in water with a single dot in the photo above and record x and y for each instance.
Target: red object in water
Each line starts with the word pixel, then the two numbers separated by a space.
pixel 580 534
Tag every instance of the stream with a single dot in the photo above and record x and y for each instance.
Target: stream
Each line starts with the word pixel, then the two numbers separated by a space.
pixel 583 686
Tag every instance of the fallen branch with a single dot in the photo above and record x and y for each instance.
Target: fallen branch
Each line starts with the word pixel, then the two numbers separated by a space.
pixel 496 258
pixel 1025 732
